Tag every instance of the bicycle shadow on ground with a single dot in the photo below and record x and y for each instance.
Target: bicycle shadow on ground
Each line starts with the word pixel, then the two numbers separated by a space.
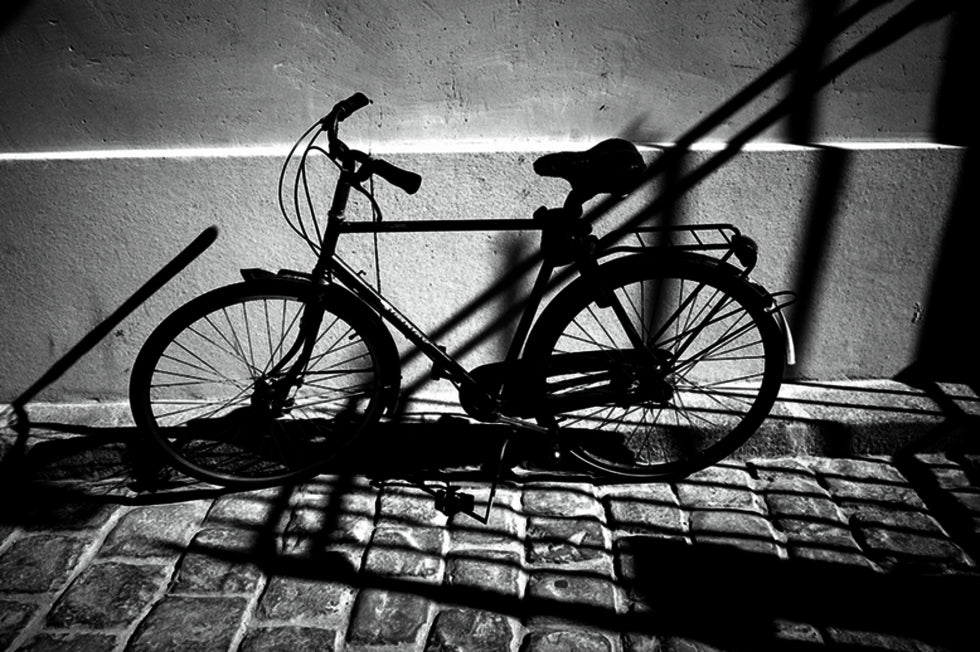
pixel 71 463
pixel 663 589
pixel 670 591
pixel 438 444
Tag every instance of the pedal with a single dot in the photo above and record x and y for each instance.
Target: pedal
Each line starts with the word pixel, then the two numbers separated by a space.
pixel 555 446
pixel 452 501
pixel 556 454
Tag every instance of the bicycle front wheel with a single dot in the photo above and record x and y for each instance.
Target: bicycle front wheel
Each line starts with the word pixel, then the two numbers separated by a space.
pixel 200 387
pixel 701 379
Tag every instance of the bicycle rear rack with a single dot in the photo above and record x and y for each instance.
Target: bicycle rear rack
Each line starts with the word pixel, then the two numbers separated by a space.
pixel 723 239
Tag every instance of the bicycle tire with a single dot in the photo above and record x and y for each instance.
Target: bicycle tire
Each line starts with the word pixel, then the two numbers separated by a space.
pixel 193 383
pixel 708 398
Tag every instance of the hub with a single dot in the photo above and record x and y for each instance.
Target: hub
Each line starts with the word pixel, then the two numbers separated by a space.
pixel 268 401
pixel 648 383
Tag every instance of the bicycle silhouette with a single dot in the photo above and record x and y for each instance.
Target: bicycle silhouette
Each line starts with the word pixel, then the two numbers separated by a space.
pixel 657 359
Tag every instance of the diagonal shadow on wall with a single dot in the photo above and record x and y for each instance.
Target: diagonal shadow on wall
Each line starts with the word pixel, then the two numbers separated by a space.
pixel 830 176
pixel 948 350
pixel 826 29
pixel 948 347
pixel 10 11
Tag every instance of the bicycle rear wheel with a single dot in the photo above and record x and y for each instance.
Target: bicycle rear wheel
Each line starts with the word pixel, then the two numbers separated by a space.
pixel 704 379
pixel 199 387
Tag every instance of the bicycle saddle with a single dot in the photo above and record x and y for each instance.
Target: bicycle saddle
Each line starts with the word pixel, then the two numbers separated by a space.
pixel 613 167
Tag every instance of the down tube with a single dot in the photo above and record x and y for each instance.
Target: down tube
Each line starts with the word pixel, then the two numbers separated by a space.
pixel 348 277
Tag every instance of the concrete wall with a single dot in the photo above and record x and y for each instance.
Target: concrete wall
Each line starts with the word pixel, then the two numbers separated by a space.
pixel 127 128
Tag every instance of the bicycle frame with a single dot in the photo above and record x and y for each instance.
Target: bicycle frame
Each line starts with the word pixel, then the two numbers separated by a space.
pixel 335 268
pixel 330 264
pixel 331 268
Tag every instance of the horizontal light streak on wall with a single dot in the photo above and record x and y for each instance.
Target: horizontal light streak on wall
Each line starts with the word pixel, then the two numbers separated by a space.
pixel 247 151
pixel 789 147
pixel 434 147
pixel 451 147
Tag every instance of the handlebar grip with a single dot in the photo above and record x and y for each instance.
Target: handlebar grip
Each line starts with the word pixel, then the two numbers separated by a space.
pixel 346 107
pixel 405 179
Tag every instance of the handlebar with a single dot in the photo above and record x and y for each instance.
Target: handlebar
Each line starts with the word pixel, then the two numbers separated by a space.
pixel 343 110
pixel 405 179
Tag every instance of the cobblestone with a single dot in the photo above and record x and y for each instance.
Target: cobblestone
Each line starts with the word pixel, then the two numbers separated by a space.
pixel 13 617
pixel 747 531
pixel 155 531
pixel 303 601
pixel 71 642
pixel 561 500
pixel 645 509
pixel 563 599
pixel 567 641
pixel 404 552
pixel 39 563
pixel 109 594
pixel 865 552
pixel 218 561
pixel 291 639
pixel 469 629
pixel 497 572
pixel 726 487
pixel 384 617
pixel 186 623
pixel 564 540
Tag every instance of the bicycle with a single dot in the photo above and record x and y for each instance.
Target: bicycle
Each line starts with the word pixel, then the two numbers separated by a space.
pixel 654 361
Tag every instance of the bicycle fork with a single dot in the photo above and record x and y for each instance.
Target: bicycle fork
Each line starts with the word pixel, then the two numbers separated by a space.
pixel 272 388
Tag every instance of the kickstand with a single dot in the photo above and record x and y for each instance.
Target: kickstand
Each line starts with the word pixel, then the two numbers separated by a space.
pixel 497 472
pixel 452 501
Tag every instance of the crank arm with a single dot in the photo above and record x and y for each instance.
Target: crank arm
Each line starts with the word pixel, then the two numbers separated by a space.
pixel 523 423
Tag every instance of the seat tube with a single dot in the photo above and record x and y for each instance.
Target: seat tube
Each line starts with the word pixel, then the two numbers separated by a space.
pixel 589 268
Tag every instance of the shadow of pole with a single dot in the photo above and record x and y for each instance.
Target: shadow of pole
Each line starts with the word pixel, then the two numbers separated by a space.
pixel 21 421
pixel 915 14
pixel 10 12
pixel 830 176
pixel 829 180
pixel 948 347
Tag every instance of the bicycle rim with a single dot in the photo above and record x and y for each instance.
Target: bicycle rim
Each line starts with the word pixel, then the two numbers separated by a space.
pixel 719 357
pixel 196 382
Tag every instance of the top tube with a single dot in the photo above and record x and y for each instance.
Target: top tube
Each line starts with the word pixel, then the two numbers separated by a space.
pixel 444 226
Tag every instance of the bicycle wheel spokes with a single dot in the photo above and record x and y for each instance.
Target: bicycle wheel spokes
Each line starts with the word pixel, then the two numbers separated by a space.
pixel 705 382
pixel 209 388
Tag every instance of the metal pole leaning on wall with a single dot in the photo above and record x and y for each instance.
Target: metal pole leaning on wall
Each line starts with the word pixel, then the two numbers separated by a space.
pixel 21 422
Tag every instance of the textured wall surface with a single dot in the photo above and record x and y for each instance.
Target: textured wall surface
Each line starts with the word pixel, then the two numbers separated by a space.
pixel 112 73
pixel 102 102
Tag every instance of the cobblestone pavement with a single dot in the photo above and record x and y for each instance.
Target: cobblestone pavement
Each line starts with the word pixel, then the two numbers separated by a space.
pixel 798 552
